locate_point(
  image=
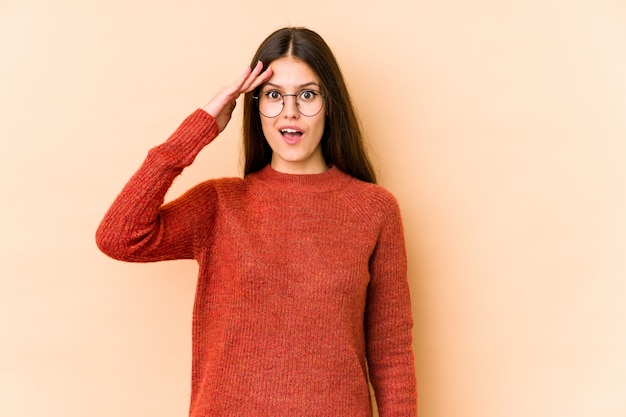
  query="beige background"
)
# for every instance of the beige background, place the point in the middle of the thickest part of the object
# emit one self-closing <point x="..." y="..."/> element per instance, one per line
<point x="499" y="125"/>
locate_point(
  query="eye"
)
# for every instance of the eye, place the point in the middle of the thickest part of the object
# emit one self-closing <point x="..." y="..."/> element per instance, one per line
<point x="273" y="95"/>
<point x="308" y="95"/>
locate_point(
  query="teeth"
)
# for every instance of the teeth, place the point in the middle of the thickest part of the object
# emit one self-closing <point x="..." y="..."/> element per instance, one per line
<point x="289" y="131"/>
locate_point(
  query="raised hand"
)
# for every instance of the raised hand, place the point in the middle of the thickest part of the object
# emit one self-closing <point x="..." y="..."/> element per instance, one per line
<point x="223" y="103"/>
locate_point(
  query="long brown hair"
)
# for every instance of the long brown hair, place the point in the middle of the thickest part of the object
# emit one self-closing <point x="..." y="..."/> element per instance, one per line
<point x="342" y="141"/>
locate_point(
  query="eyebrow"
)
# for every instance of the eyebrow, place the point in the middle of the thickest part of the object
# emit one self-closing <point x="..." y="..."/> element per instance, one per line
<point x="300" y="86"/>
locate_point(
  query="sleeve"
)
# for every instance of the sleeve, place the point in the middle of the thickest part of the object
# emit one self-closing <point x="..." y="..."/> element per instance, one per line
<point x="389" y="323"/>
<point x="138" y="227"/>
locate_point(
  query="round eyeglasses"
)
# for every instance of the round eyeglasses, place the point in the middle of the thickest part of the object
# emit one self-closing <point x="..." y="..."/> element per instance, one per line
<point x="308" y="102"/>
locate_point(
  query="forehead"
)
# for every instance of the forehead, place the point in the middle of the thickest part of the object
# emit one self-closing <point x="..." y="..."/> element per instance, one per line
<point x="290" y="72"/>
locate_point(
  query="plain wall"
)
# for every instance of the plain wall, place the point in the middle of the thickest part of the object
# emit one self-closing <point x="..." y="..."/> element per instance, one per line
<point x="499" y="126"/>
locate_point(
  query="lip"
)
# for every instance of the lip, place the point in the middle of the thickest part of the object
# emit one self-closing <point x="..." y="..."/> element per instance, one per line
<point x="291" y="140"/>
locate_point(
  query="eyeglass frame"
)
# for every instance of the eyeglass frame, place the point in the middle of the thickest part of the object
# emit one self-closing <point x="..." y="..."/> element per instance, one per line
<point x="257" y="98"/>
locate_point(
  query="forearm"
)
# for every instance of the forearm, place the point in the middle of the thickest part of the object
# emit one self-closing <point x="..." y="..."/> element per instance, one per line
<point x="390" y="355"/>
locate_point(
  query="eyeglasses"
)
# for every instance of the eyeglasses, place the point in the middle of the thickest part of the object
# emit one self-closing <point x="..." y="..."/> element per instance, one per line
<point x="308" y="102"/>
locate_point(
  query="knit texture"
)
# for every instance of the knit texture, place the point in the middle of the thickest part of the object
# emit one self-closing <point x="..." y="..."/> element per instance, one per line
<point x="302" y="285"/>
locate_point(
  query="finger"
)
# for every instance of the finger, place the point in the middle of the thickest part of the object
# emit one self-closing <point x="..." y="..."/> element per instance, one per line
<point x="252" y="76"/>
<point x="262" y="78"/>
<point x="235" y="89"/>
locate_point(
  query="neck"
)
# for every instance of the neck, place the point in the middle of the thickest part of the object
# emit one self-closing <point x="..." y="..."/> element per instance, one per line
<point x="299" y="168"/>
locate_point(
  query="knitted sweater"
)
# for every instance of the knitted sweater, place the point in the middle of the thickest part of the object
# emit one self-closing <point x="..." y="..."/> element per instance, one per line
<point x="302" y="285"/>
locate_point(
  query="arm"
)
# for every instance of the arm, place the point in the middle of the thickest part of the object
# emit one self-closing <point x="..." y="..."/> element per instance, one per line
<point x="389" y="323"/>
<point x="138" y="227"/>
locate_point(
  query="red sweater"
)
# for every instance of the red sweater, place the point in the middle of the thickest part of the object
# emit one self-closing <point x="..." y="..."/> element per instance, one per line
<point x="302" y="283"/>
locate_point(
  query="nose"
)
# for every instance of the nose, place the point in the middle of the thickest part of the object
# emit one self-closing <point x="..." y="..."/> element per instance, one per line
<point x="290" y="105"/>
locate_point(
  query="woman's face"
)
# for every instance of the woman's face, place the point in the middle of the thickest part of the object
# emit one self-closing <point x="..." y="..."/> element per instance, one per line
<point x="294" y="138"/>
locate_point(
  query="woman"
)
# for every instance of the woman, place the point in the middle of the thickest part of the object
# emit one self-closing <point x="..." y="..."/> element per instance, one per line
<point x="302" y="288"/>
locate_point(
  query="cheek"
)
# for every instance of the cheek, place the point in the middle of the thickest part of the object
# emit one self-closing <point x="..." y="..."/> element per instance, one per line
<point x="320" y="125"/>
<point x="267" y="127"/>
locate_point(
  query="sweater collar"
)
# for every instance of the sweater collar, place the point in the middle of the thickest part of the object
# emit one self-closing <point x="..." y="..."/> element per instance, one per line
<point x="331" y="179"/>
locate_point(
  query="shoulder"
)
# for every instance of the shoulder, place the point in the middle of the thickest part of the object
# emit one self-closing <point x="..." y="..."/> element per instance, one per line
<point x="371" y="200"/>
<point x="371" y="193"/>
<point x="218" y="188"/>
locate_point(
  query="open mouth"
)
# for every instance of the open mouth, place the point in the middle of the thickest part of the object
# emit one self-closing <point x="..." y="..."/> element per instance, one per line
<point x="291" y="135"/>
